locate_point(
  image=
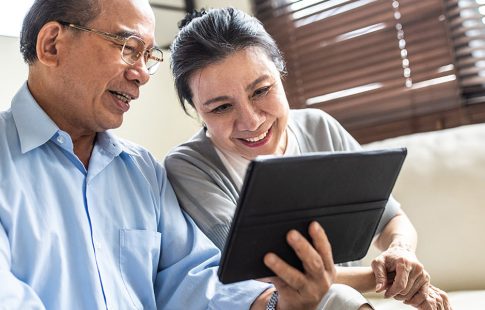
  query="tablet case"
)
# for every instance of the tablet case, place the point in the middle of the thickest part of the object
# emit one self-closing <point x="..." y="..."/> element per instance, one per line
<point x="346" y="192"/>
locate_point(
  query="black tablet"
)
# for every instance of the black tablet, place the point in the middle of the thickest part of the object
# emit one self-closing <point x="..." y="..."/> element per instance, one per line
<point x="346" y="192"/>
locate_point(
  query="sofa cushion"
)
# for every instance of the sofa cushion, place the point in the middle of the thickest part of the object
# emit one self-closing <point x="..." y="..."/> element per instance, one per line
<point x="442" y="189"/>
<point x="464" y="300"/>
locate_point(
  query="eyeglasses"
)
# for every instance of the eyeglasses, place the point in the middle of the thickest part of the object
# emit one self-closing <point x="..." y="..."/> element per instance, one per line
<point x="132" y="47"/>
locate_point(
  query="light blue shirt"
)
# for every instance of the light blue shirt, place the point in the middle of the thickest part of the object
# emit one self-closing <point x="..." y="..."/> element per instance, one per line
<point x="110" y="237"/>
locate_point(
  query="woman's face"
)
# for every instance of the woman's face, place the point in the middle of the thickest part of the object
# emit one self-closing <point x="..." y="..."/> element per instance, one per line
<point x="243" y="104"/>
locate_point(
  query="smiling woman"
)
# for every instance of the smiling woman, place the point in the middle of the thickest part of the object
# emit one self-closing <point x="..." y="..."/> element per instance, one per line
<point x="229" y="69"/>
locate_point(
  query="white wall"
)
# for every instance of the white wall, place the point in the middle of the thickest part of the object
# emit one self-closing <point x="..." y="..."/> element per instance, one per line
<point x="14" y="71"/>
<point x="155" y="121"/>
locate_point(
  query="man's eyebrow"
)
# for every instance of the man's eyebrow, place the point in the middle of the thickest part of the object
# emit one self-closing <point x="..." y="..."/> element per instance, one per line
<point x="216" y="99"/>
<point x="126" y="34"/>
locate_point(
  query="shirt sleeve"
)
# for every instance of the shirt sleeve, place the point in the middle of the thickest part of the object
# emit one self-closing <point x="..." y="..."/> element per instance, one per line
<point x="187" y="270"/>
<point x="14" y="294"/>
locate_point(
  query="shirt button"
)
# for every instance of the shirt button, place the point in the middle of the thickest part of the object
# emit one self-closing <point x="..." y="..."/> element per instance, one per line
<point x="60" y="139"/>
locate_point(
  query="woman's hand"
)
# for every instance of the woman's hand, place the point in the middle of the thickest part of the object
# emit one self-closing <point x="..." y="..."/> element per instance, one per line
<point x="431" y="298"/>
<point x="399" y="273"/>
<point x="303" y="290"/>
<point x="403" y="277"/>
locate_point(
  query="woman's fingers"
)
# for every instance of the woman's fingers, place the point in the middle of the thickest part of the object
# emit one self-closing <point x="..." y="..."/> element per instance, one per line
<point x="322" y="245"/>
<point x="430" y="297"/>
<point x="290" y="275"/>
<point x="310" y="258"/>
<point x="304" y="289"/>
<point x="414" y="285"/>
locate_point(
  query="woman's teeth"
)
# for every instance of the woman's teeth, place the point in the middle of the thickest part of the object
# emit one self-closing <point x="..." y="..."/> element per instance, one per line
<point x="258" y="138"/>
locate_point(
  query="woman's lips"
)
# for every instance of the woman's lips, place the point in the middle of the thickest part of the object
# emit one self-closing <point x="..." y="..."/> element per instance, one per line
<point x="258" y="140"/>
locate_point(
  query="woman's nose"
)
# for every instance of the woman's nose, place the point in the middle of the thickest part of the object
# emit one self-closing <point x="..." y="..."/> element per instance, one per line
<point x="249" y="118"/>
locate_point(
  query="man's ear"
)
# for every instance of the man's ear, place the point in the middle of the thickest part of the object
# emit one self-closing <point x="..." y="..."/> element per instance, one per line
<point x="48" y="43"/>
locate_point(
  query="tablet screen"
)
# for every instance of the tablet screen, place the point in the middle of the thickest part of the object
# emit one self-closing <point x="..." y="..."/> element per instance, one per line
<point x="346" y="192"/>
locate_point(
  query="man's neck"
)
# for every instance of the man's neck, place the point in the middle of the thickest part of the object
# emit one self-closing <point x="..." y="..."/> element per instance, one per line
<point x="83" y="140"/>
<point x="83" y="147"/>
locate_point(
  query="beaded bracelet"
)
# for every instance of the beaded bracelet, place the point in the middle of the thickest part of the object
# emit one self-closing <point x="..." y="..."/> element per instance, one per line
<point x="272" y="301"/>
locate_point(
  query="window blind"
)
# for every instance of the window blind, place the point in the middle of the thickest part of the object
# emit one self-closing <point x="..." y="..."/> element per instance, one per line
<point x="467" y="32"/>
<point x="382" y="68"/>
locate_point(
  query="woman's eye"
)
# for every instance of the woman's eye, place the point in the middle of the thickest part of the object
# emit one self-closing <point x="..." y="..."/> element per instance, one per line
<point x="222" y="108"/>
<point x="261" y="91"/>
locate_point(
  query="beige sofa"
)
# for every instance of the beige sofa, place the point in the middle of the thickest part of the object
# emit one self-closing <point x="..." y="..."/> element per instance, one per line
<point x="442" y="189"/>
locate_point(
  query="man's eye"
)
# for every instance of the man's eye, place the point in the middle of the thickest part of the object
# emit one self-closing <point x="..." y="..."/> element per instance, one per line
<point x="130" y="49"/>
<point x="222" y="108"/>
<point x="261" y="91"/>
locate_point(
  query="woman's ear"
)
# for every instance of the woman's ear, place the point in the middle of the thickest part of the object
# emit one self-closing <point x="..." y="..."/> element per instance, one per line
<point x="48" y="43"/>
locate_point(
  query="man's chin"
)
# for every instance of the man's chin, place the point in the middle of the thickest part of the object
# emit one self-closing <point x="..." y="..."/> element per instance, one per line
<point x="113" y="124"/>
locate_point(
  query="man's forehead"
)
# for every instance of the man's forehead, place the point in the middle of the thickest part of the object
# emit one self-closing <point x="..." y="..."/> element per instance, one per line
<point x="136" y="3"/>
<point x="130" y="16"/>
<point x="129" y="10"/>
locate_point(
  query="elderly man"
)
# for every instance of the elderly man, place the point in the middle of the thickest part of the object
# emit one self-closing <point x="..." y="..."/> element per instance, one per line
<point x="89" y="221"/>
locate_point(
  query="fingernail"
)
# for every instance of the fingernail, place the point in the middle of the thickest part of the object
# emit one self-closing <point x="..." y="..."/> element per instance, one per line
<point x="294" y="236"/>
<point x="270" y="259"/>
<point x="378" y="287"/>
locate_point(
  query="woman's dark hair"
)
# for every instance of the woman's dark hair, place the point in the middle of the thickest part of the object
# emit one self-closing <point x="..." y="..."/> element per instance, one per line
<point x="207" y="37"/>
<point x="43" y="11"/>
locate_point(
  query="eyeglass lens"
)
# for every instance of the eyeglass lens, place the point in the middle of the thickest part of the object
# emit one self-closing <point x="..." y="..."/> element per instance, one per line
<point x="134" y="48"/>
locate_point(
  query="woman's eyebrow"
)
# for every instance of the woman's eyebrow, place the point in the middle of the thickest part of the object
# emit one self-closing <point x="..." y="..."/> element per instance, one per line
<point x="216" y="99"/>
<point x="251" y="86"/>
<point x="257" y="81"/>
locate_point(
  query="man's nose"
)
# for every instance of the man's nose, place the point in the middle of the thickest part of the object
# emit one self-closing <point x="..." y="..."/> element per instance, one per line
<point x="138" y="72"/>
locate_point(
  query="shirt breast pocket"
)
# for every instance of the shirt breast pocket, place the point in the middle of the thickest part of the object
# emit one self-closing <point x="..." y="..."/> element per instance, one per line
<point x="139" y="256"/>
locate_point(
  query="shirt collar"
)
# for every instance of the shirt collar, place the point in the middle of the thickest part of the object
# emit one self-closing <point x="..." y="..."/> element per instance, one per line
<point x="112" y="144"/>
<point x="35" y="127"/>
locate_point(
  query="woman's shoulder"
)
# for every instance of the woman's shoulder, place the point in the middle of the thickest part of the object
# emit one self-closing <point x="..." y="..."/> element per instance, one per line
<point x="310" y="119"/>
<point x="308" y="112"/>
<point x="316" y="130"/>
<point x="198" y="152"/>
<point x="196" y="146"/>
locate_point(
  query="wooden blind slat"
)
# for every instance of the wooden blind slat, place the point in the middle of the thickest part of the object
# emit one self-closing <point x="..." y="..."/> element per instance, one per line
<point x="418" y="58"/>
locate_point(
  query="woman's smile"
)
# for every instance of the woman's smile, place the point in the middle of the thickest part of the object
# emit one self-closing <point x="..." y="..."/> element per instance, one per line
<point x="257" y="141"/>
